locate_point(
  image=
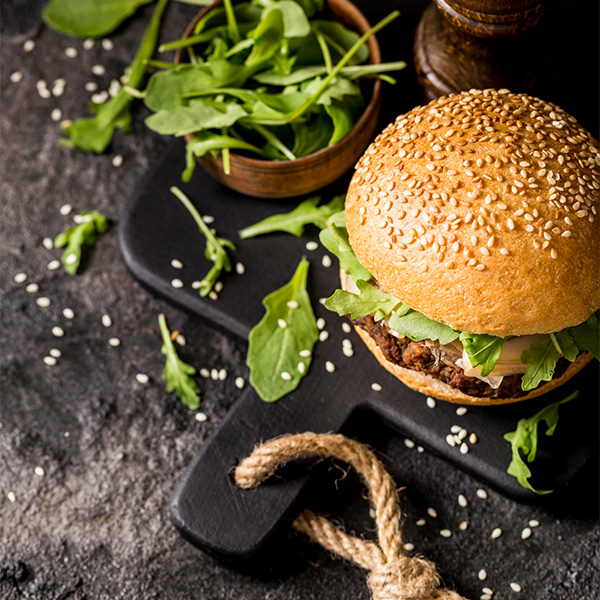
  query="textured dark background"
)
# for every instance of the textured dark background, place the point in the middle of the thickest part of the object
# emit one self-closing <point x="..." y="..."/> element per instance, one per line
<point x="96" y="524"/>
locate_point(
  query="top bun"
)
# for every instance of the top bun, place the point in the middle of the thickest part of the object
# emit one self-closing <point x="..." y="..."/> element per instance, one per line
<point x="480" y="210"/>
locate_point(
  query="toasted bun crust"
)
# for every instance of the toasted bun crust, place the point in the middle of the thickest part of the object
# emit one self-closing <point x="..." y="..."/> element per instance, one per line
<point x="480" y="211"/>
<point x="421" y="382"/>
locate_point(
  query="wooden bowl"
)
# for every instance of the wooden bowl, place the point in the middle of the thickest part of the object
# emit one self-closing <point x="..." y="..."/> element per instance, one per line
<point x="289" y="178"/>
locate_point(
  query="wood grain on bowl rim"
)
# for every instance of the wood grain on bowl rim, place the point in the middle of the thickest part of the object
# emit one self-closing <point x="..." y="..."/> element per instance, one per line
<point x="289" y="178"/>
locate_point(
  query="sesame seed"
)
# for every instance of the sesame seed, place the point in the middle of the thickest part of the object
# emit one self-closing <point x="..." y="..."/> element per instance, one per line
<point x="180" y="339"/>
<point x="114" y="342"/>
<point x="326" y="261"/>
<point x="420" y="449"/>
<point x="98" y="70"/>
<point x="49" y="360"/>
<point x="106" y="320"/>
<point x="204" y="373"/>
<point x="292" y="304"/>
<point x="65" y="209"/>
<point x="177" y="283"/>
<point x="496" y="533"/>
<point x="29" y="45"/>
<point x="526" y="533"/>
<point x="91" y="86"/>
<point x="142" y="378"/>
<point x="430" y="402"/>
<point x="515" y="587"/>
<point x="346" y="327"/>
<point x="222" y="376"/>
<point x="420" y="522"/>
<point x="107" y="44"/>
<point x="481" y="493"/>
<point x="201" y="417"/>
<point x="323" y="336"/>
<point x="16" y="76"/>
<point x="43" y="301"/>
<point x="329" y="366"/>
<point x="282" y="323"/>
<point x="462" y="501"/>
<point x="301" y="368"/>
<point x="305" y="353"/>
<point x="473" y="439"/>
<point x="450" y="441"/>
<point x="196" y="285"/>
<point x="240" y="382"/>
<point x="48" y="243"/>
<point x="321" y="323"/>
<point x="482" y="575"/>
<point x="117" y="160"/>
<point x="510" y="223"/>
<point x="68" y="313"/>
<point x="446" y="533"/>
<point x="432" y="512"/>
<point x="376" y="387"/>
<point x="455" y="428"/>
<point x="39" y="471"/>
<point x="553" y="253"/>
<point x="71" y="52"/>
<point x="214" y="374"/>
<point x="58" y="331"/>
<point x="534" y="523"/>
<point x="55" y="353"/>
<point x="310" y="246"/>
<point x="464" y="449"/>
<point x="461" y="410"/>
<point x="409" y="443"/>
<point x="88" y="43"/>
<point x="20" y="277"/>
<point x="239" y="268"/>
<point x="463" y="525"/>
<point x="409" y="547"/>
<point x="462" y="434"/>
<point x="219" y="287"/>
<point x="286" y="376"/>
<point x="12" y="497"/>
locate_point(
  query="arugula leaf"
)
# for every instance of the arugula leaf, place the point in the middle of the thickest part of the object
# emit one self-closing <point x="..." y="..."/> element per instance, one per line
<point x="75" y="237"/>
<point x="305" y="213"/>
<point x="215" y="246"/>
<point x="89" y="18"/>
<point x="541" y="358"/>
<point x="341" y="39"/>
<point x="177" y="374"/>
<point x="343" y="120"/>
<point x="295" y="22"/>
<point x="525" y="439"/>
<point x="338" y="89"/>
<point x="335" y="238"/>
<point x="564" y="344"/>
<point x="275" y="343"/>
<point x="313" y="133"/>
<point x="94" y="134"/>
<point x="311" y="7"/>
<point x="370" y="301"/>
<point x="587" y="335"/>
<point x="267" y="38"/>
<point x="482" y="350"/>
<point x="417" y="327"/>
<point x="200" y="114"/>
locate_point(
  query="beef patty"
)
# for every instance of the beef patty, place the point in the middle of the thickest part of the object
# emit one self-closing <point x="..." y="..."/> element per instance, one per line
<point x="418" y="356"/>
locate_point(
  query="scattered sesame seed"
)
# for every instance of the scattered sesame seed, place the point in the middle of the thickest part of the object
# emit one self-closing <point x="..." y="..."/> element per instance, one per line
<point x="68" y="313"/>
<point x="515" y="587"/>
<point x="106" y="320"/>
<point x="462" y="501"/>
<point x="473" y="439"/>
<point x="201" y="417"/>
<point x="240" y="382"/>
<point x="346" y="327"/>
<point x="39" y="471"/>
<point x="142" y="378"/>
<point x="180" y="339"/>
<point x="482" y="575"/>
<point x="464" y="449"/>
<point x="463" y="525"/>
<point x="219" y="287"/>
<point x="282" y="323"/>
<point x="12" y="497"/>
<point x="485" y="597"/>
<point x="48" y="243"/>
<point x="55" y="353"/>
<point x="322" y="300"/>
<point x="496" y="533"/>
<point x="88" y="43"/>
<point x="310" y="246"/>
<point x="446" y="533"/>
<point x="462" y="434"/>
<point x="58" y="89"/>
<point x="323" y="336"/>
<point x="43" y="301"/>
<point x="213" y="295"/>
<point x="420" y="449"/>
<point x="20" y="277"/>
<point x="49" y="360"/>
<point x="71" y="52"/>
<point x="305" y="353"/>
<point x="321" y="323"/>
<point x="98" y="70"/>
<point x="100" y="97"/>
<point x="114" y="342"/>
<point x="65" y="209"/>
<point x="534" y="523"/>
<point x="326" y="261"/>
<point x="376" y="387"/>
<point x="461" y="410"/>
<point x="420" y="522"/>
<point x="455" y="428"/>
<point x="432" y="513"/>
<point x="329" y="366"/>
<point x="56" y="114"/>
<point x="66" y="434"/>
<point x="301" y="368"/>
<point x="239" y="268"/>
<point x="81" y="219"/>
<point x="29" y="45"/>
<point x="292" y="304"/>
<point x="430" y="402"/>
<point x="481" y="493"/>
<point x="91" y="86"/>
<point x="196" y="285"/>
<point x="177" y="283"/>
<point x="117" y="160"/>
<point x="222" y="374"/>
<point x="208" y="219"/>
<point x="107" y="44"/>
<point x="204" y="373"/>
<point x="450" y="440"/>
<point x="409" y="443"/>
<point x="526" y="533"/>
<point x="71" y="259"/>
<point x="58" y="331"/>
<point x="409" y="547"/>
<point x="214" y="374"/>
<point x="286" y="376"/>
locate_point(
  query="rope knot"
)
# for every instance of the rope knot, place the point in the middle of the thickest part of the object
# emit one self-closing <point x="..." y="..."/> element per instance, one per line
<point x="403" y="579"/>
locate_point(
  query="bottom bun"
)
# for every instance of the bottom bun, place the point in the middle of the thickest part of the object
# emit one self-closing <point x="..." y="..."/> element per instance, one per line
<point x="430" y="386"/>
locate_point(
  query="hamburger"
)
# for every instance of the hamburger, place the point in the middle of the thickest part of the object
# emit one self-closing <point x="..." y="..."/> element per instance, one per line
<point x="469" y="247"/>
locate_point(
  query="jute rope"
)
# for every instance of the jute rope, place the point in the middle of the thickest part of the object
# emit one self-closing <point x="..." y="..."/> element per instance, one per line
<point x="392" y="574"/>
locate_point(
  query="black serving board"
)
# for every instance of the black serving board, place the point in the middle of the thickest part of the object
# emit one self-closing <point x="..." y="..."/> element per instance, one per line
<point x="207" y="508"/>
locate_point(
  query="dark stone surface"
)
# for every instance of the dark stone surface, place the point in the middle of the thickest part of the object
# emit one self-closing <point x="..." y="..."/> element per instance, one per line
<point x="96" y="524"/>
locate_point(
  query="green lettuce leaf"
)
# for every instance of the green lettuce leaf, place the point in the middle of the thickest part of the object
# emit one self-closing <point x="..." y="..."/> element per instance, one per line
<point x="541" y="358"/>
<point x="587" y="335"/>
<point x="525" y="439"/>
<point x="370" y="301"/>
<point x="275" y="343"/>
<point x="482" y="350"/>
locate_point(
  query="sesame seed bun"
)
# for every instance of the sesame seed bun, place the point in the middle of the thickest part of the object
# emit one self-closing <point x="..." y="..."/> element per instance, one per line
<point x="480" y="210"/>
<point x="424" y="383"/>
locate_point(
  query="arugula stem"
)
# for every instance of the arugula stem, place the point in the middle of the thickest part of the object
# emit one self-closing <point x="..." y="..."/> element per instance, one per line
<point x="133" y="92"/>
<point x="325" y="51"/>
<point x="556" y="344"/>
<point x="275" y="141"/>
<point x="190" y="41"/>
<point x="160" y="64"/>
<point x="225" y="155"/>
<point x="166" y="338"/>
<point x="291" y="116"/>
<point x="232" y="26"/>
